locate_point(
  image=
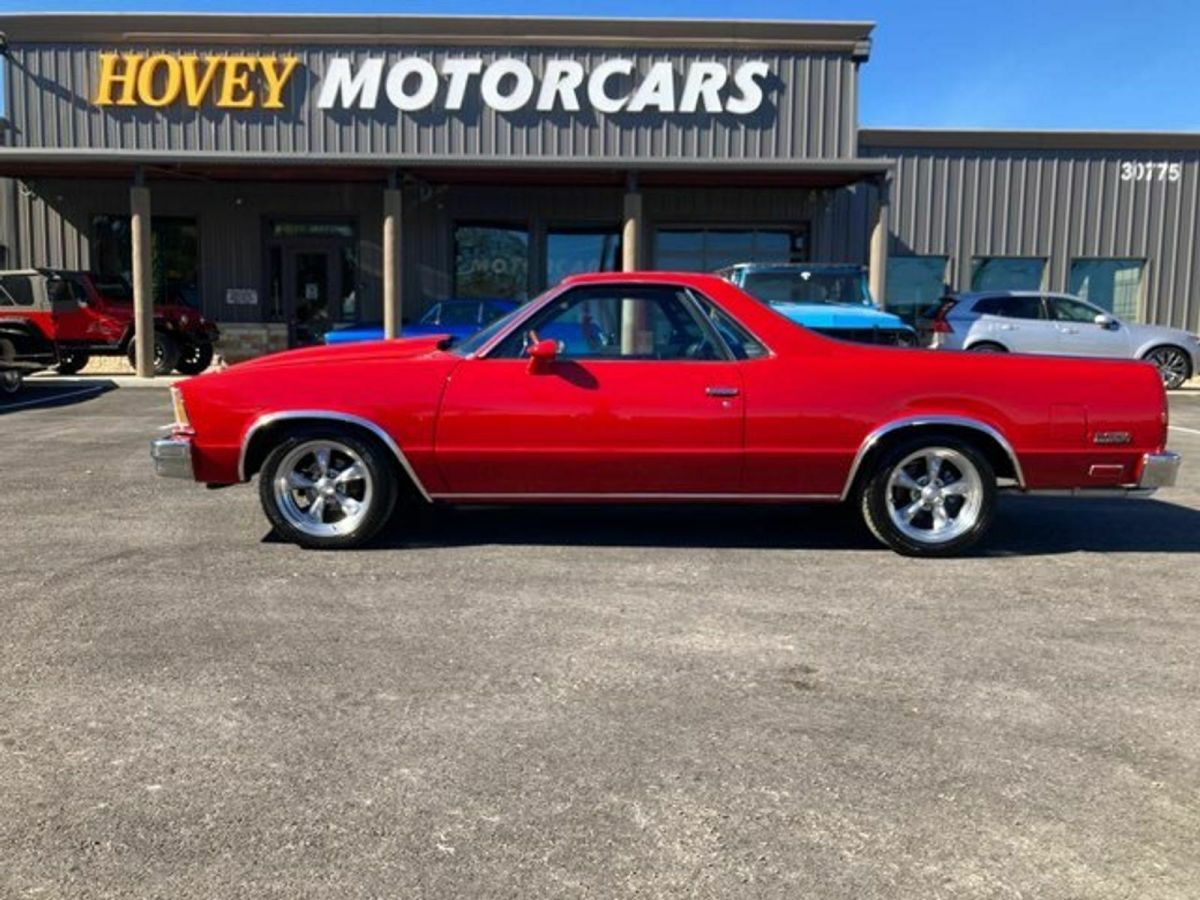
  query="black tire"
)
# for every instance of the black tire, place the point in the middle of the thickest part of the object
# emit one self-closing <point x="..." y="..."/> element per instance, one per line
<point x="11" y="381"/>
<point x="1174" y="364"/>
<point x="379" y="491"/>
<point x="879" y="496"/>
<point x="166" y="353"/>
<point x="988" y="347"/>
<point x="71" y="361"/>
<point x="194" y="357"/>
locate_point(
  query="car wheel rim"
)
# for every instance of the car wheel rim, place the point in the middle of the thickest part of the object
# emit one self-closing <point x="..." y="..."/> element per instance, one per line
<point x="1172" y="366"/>
<point x="10" y="381"/>
<point x="934" y="495"/>
<point x="323" y="488"/>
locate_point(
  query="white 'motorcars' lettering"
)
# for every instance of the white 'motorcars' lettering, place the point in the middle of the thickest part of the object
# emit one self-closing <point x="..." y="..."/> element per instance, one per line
<point x="413" y="83"/>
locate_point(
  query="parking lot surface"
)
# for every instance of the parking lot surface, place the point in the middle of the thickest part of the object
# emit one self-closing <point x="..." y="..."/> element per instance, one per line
<point x="566" y="702"/>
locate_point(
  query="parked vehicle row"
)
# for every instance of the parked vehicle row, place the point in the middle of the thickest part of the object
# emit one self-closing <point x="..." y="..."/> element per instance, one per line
<point x="664" y="387"/>
<point x="1059" y="324"/>
<point x="71" y="316"/>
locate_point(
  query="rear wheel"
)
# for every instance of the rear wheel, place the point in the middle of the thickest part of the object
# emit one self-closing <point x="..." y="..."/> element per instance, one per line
<point x="71" y="361"/>
<point x="933" y="495"/>
<point x="987" y="347"/>
<point x="194" y="357"/>
<point x="327" y="488"/>
<point x="1173" y="364"/>
<point x="166" y="353"/>
<point x="10" y="381"/>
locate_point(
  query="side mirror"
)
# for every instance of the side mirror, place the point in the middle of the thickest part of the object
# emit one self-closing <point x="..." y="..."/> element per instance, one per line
<point x="1104" y="320"/>
<point x="541" y="353"/>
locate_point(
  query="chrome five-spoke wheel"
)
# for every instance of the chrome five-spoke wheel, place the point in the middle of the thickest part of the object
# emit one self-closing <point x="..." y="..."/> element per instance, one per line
<point x="934" y="495"/>
<point x="930" y="496"/>
<point x="1173" y="365"/>
<point x="323" y="488"/>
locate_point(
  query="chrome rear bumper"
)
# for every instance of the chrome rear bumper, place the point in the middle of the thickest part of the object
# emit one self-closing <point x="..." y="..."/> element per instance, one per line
<point x="172" y="456"/>
<point x="1159" y="469"/>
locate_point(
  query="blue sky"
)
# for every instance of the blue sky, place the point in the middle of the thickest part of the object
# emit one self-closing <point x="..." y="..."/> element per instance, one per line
<point x="1108" y="64"/>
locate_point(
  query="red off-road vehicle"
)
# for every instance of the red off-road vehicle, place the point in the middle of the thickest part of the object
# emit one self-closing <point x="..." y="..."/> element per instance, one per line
<point x="78" y="315"/>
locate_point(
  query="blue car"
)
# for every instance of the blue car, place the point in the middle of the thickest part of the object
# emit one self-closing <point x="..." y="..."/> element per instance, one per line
<point x="831" y="298"/>
<point x="458" y="318"/>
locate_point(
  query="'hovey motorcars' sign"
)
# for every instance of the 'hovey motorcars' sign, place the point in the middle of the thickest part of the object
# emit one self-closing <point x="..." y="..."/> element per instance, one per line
<point x="414" y="83"/>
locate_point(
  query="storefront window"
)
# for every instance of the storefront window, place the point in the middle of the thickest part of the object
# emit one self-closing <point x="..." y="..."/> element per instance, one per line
<point x="491" y="261"/>
<point x="709" y="249"/>
<point x="914" y="283"/>
<point x="174" y="254"/>
<point x="1007" y="273"/>
<point x="572" y="251"/>
<point x="1112" y="284"/>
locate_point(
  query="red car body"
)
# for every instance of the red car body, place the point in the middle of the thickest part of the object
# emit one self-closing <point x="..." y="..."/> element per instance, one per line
<point x="796" y="424"/>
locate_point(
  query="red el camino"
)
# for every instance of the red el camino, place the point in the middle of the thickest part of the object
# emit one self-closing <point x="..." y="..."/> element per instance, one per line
<point x="665" y="387"/>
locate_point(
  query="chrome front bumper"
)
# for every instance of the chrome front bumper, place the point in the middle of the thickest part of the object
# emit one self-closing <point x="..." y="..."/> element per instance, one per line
<point x="1159" y="470"/>
<point x="172" y="456"/>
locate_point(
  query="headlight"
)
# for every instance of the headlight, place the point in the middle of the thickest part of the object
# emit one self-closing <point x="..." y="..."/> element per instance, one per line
<point x="181" y="416"/>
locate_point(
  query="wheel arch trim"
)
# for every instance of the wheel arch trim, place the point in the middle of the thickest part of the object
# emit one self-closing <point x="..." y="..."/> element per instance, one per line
<point x="327" y="415"/>
<point x="872" y="440"/>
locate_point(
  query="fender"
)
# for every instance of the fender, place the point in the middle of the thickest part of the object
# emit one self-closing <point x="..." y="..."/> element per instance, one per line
<point x="329" y="416"/>
<point x="917" y="421"/>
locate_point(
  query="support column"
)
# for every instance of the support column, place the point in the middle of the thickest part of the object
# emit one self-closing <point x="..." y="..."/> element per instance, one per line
<point x="143" y="276"/>
<point x="392" y="215"/>
<point x="880" y="233"/>
<point x="632" y="257"/>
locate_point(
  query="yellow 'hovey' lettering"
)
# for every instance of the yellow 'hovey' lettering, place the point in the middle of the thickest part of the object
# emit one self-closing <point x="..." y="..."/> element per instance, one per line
<point x="160" y="79"/>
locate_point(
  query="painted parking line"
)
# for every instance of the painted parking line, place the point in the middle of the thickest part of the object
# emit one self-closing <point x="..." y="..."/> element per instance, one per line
<point x="52" y="399"/>
<point x="1184" y="430"/>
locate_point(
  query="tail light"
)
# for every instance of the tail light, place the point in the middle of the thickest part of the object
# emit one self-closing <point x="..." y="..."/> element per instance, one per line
<point x="940" y="323"/>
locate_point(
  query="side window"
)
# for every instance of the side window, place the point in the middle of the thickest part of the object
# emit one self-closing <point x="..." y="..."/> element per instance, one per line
<point x="18" y="288"/>
<point x="1072" y="310"/>
<point x="634" y="322"/>
<point x="741" y="343"/>
<point x="1012" y="307"/>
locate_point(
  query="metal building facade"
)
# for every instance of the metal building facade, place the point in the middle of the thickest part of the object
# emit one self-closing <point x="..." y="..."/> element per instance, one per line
<point x="1061" y="196"/>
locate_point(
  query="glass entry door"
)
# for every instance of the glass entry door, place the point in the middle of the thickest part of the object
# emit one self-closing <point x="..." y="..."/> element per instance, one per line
<point x="311" y="281"/>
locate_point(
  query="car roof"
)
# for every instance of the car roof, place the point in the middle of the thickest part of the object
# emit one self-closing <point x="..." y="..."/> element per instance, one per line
<point x="695" y="279"/>
<point x="796" y="266"/>
<point x="968" y="296"/>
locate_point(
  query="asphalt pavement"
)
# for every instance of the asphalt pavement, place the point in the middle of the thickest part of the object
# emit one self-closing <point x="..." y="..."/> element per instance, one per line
<point x="578" y="703"/>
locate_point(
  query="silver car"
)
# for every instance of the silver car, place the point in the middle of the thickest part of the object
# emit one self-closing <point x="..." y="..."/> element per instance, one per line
<point x="1036" y="322"/>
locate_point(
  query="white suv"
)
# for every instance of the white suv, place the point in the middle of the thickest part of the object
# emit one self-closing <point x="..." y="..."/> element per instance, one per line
<point x="1036" y="322"/>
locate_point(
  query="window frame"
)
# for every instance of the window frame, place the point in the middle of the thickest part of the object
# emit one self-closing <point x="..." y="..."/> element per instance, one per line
<point x="1042" y="282"/>
<point x="1139" y="316"/>
<point x="682" y="292"/>
<point x="802" y="226"/>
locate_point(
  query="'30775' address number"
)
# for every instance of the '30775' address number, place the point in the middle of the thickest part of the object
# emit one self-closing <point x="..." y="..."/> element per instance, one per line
<point x="1151" y="171"/>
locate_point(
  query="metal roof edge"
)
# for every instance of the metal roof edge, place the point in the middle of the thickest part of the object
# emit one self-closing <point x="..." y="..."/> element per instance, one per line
<point x="1025" y="139"/>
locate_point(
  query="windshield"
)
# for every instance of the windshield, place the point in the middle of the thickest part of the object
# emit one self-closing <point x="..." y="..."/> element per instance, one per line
<point x="808" y="286"/>
<point x="469" y="345"/>
<point x="112" y="287"/>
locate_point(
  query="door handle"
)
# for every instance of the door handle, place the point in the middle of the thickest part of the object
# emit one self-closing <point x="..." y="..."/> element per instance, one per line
<point x="719" y="391"/>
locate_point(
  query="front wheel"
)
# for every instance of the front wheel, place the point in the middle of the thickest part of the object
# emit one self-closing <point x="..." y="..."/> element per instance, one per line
<point x="327" y="489"/>
<point x="930" y="496"/>
<point x="10" y="381"/>
<point x="166" y="353"/>
<point x="71" y="361"/>
<point x="194" y="358"/>
<point x="1173" y="364"/>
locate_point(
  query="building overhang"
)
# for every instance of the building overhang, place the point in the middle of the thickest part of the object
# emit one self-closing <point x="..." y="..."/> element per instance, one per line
<point x="853" y="38"/>
<point x="568" y="170"/>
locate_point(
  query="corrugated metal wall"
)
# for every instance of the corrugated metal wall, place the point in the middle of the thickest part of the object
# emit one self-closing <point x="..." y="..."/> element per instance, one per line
<point x="1060" y="204"/>
<point x="809" y="112"/>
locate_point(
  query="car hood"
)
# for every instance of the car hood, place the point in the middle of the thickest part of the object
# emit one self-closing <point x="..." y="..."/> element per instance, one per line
<point x="361" y="351"/>
<point x="837" y="315"/>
